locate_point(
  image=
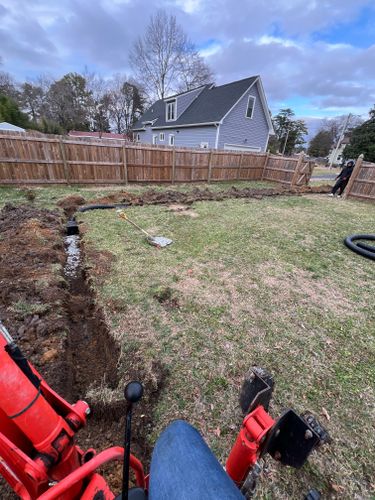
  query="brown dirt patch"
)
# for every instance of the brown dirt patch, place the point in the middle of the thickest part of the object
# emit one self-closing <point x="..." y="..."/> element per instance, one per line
<point x="152" y="197"/>
<point x="71" y="203"/>
<point x="183" y="210"/>
<point x="32" y="290"/>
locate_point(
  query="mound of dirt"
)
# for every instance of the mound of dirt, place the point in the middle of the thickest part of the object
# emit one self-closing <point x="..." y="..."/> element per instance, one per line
<point x="71" y="203"/>
<point x="32" y="291"/>
<point x="170" y="197"/>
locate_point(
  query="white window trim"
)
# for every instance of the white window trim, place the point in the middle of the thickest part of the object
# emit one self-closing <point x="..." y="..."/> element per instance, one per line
<point x="172" y="101"/>
<point x="161" y="137"/>
<point x="169" y="139"/>
<point x="247" y="107"/>
<point x="154" y="139"/>
<point x="204" y="145"/>
<point x="138" y="137"/>
<point x="241" y="147"/>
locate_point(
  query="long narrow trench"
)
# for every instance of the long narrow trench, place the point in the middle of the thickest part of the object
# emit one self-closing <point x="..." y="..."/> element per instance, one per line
<point x="91" y="351"/>
<point x="92" y="356"/>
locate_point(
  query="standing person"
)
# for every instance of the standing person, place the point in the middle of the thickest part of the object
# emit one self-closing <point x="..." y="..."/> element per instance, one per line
<point x="342" y="179"/>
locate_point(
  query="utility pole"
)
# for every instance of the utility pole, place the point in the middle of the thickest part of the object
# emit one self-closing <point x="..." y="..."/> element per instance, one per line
<point x="286" y="140"/>
<point x="333" y="157"/>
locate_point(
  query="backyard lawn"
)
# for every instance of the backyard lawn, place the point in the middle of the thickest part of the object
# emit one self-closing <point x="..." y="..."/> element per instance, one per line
<point x="256" y="282"/>
<point x="246" y="282"/>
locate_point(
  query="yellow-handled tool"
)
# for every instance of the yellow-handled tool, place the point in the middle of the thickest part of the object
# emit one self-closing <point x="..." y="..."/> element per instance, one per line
<point x="156" y="241"/>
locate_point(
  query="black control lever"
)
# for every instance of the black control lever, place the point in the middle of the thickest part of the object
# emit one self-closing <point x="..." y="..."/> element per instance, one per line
<point x="133" y="393"/>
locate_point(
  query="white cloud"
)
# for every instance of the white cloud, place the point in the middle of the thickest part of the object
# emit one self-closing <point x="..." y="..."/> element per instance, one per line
<point x="269" y="40"/>
<point x="275" y="38"/>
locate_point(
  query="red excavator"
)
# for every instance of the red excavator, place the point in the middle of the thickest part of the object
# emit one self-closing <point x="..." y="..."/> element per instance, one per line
<point x="40" y="459"/>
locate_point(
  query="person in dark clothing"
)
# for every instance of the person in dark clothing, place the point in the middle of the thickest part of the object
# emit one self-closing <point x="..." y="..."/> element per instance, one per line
<point x="342" y="179"/>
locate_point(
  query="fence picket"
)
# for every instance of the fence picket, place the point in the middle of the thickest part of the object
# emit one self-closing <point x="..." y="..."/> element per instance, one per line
<point x="36" y="159"/>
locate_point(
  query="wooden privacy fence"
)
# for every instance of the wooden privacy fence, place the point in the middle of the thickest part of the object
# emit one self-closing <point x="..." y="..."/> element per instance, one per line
<point x="26" y="159"/>
<point x="361" y="184"/>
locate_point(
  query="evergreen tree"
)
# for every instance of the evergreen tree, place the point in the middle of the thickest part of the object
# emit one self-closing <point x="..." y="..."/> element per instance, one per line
<point x="363" y="140"/>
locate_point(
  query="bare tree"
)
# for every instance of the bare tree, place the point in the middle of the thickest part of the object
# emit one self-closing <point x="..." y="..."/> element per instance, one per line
<point x="193" y="71"/>
<point x="125" y="102"/>
<point x="8" y="86"/>
<point x="165" y="60"/>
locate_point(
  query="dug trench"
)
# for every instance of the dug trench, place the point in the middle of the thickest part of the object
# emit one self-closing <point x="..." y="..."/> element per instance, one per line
<point x="50" y="309"/>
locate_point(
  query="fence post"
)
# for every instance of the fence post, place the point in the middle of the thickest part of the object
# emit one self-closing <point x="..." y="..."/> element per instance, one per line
<point x="355" y="172"/>
<point x="173" y="166"/>
<point x="296" y="171"/>
<point x="63" y="156"/>
<point x="209" y="167"/>
<point x="239" y="168"/>
<point x="265" y="165"/>
<point x="125" y="164"/>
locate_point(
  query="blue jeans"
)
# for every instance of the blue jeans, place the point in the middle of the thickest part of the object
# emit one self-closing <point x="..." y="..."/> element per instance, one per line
<point x="184" y="468"/>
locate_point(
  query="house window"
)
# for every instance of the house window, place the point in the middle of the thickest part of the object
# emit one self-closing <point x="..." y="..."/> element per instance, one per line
<point x="138" y="137"/>
<point x="171" y="139"/>
<point x="171" y="111"/>
<point x="161" y="136"/>
<point x="204" y="145"/>
<point x="154" y="139"/>
<point x="250" y="107"/>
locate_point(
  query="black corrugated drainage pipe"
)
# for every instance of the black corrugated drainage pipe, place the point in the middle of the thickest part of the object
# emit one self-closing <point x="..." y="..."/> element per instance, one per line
<point x="359" y="247"/>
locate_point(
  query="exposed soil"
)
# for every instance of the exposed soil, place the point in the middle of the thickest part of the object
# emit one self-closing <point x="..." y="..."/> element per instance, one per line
<point x="32" y="292"/>
<point x="56" y="322"/>
<point x="153" y="197"/>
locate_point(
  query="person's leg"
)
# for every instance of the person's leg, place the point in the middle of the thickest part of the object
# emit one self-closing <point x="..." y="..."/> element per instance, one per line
<point x="336" y="186"/>
<point x="343" y="186"/>
<point x="184" y="468"/>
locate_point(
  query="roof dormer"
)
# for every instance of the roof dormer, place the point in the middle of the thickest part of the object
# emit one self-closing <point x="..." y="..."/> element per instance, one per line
<point x="171" y="110"/>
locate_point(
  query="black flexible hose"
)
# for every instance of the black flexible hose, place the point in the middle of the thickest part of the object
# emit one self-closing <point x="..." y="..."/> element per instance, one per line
<point x="86" y="208"/>
<point x="361" y="248"/>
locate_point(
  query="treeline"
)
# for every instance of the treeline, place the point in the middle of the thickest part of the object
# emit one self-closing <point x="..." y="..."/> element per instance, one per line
<point x="163" y="61"/>
<point x="74" y="102"/>
<point x="361" y="134"/>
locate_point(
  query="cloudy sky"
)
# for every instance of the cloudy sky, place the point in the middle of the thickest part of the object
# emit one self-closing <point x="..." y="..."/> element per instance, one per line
<point x="316" y="56"/>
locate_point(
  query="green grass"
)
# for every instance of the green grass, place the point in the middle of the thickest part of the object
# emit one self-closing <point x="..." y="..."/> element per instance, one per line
<point x="258" y="282"/>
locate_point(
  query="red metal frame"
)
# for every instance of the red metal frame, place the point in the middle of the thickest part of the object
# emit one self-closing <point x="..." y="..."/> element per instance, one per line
<point x="37" y="448"/>
<point x="247" y="448"/>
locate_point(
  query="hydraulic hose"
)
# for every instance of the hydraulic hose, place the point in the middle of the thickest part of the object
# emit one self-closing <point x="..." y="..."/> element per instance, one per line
<point x="361" y="248"/>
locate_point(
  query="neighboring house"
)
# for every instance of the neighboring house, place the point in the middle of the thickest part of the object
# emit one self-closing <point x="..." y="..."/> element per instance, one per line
<point x="12" y="128"/>
<point x="99" y="135"/>
<point x="335" y="156"/>
<point x="232" y="116"/>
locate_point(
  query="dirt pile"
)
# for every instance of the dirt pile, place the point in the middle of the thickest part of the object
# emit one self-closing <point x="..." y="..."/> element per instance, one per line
<point x="71" y="204"/>
<point x="153" y="197"/>
<point x="32" y="291"/>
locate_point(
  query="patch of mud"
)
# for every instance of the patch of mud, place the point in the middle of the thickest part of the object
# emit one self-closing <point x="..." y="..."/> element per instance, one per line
<point x="172" y="197"/>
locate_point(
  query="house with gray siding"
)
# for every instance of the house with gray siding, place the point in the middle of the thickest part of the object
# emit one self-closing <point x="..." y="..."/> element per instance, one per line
<point x="233" y="116"/>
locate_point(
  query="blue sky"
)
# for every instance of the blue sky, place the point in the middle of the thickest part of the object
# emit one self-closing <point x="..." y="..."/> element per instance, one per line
<point x="315" y="56"/>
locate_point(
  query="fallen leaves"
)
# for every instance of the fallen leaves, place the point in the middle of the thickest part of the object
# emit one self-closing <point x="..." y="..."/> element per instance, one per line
<point x="325" y="413"/>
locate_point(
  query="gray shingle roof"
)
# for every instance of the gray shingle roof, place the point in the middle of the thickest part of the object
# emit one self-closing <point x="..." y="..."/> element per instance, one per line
<point x="210" y="105"/>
